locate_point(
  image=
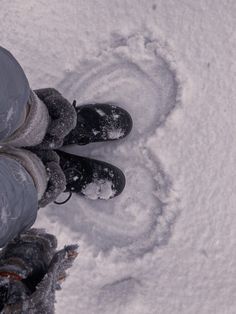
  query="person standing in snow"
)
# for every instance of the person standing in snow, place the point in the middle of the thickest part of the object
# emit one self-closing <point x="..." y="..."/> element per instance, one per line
<point x="33" y="125"/>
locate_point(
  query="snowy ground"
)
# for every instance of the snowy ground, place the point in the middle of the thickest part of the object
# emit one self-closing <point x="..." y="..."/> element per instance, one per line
<point x="167" y="244"/>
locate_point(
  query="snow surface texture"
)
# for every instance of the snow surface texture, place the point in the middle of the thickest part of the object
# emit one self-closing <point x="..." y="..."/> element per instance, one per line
<point x="102" y="188"/>
<point x="195" y="271"/>
<point x="130" y="74"/>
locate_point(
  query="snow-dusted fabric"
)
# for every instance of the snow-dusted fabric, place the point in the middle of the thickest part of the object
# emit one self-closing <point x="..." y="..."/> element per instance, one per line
<point x="33" y="130"/>
<point x="34" y="258"/>
<point x="56" y="177"/>
<point x="63" y="118"/>
<point x="14" y="91"/>
<point x="32" y="164"/>
<point x="18" y="199"/>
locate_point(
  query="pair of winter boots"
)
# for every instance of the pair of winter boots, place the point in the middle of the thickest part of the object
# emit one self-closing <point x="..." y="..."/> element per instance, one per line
<point x="93" y="178"/>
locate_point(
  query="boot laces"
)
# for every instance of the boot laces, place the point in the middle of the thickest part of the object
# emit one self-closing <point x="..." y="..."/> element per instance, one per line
<point x="65" y="201"/>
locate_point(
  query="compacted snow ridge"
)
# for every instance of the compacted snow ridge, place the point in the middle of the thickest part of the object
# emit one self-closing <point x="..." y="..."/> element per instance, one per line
<point x="134" y="76"/>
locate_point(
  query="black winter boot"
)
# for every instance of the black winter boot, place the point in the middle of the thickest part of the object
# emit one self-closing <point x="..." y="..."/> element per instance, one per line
<point x="99" y="123"/>
<point x="91" y="178"/>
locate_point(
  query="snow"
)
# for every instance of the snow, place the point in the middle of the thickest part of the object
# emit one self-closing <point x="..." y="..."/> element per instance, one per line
<point x="4" y="210"/>
<point x="167" y="243"/>
<point x="99" y="189"/>
<point x="9" y="114"/>
<point x="115" y="134"/>
<point x="100" y="112"/>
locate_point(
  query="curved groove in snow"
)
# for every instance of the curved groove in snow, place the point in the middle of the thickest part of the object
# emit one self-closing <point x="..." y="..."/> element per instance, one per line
<point x="137" y="78"/>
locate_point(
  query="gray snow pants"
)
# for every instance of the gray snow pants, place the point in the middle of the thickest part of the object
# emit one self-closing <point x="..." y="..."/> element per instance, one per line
<point x="24" y="178"/>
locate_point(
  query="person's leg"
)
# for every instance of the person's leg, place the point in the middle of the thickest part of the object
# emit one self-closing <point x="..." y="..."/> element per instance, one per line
<point x="33" y="130"/>
<point x="84" y="124"/>
<point x="18" y="199"/>
<point x="42" y="119"/>
<point x="49" y="119"/>
<point x="56" y="180"/>
<point x="22" y="116"/>
<point x="25" y="119"/>
<point x="32" y="164"/>
<point x="43" y="166"/>
<point x="14" y="94"/>
<point x="27" y="181"/>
